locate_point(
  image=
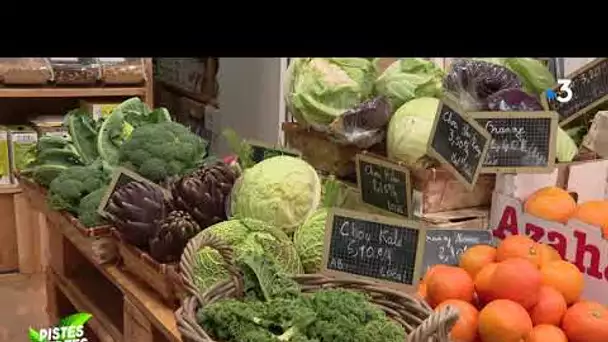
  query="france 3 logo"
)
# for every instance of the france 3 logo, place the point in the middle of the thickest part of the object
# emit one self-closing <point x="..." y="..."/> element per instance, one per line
<point x="563" y="94"/>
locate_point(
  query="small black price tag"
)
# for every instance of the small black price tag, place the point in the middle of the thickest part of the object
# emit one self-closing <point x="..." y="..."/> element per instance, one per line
<point x="444" y="246"/>
<point x="384" y="184"/>
<point x="458" y="142"/>
<point x="261" y="151"/>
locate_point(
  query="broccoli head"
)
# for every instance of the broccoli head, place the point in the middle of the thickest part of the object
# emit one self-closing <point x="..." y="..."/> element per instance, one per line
<point x="87" y="209"/>
<point x="76" y="182"/>
<point x="162" y="150"/>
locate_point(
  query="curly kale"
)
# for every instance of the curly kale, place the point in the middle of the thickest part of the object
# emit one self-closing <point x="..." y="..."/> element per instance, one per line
<point x="87" y="209"/>
<point x="76" y="182"/>
<point x="159" y="151"/>
<point x="281" y="312"/>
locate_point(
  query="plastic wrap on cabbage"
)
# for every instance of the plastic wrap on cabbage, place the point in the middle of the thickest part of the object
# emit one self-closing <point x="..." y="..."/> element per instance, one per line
<point x="516" y="100"/>
<point x="472" y="81"/>
<point x="363" y="125"/>
<point x="321" y="89"/>
<point x="282" y="191"/>
<point x="246" y="237"/>
<point x="409" y="78"/>
<point x="533" y="74"/>
<point x="409" y="131"/>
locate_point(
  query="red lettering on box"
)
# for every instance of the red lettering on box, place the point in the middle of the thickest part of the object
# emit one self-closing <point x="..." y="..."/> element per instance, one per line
<point x="560" y="245"/>
<point x="583" y="248"/>
<point x="508" y="222"/>
<point x="535" y="232"/>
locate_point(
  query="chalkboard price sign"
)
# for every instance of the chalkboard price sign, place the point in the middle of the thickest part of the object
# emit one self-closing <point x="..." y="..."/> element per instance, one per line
<point x="262" y="151"/>
<point x="383" y="184"/>
<point x="458" y="143"/>
<point x="378" y="248"/>
<point x="521" y="141"/>
<point x="589" y="86"/>
<point x="444" y="246"/>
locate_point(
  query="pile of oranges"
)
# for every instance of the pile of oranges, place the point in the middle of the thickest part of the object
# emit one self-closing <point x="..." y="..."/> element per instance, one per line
<point x="521" y="291"/>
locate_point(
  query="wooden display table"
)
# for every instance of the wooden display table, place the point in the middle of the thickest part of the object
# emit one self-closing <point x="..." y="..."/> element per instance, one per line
<point x="123" y="308"/>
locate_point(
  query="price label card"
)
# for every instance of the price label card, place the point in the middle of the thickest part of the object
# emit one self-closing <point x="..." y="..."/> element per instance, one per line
<point x="444" y="246"/>
<point x="581" y="92"/>
<point x="384" y="185"/>
<point x="377" y="248"/>
<point x="458" y="142"/>
<point x="261" y="151"/>
<point x="521" y="141"/>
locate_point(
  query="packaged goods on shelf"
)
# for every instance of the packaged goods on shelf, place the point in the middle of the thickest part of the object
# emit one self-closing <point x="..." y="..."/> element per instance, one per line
<point x="120" y="70"/>
<point x="75" y="71"/>
<point x="23" y="141"/>
<point x="5" y="165"/>
<point x="25" y="71"/>
<point x="49" y="125"/>
<point x="99" y="110"/>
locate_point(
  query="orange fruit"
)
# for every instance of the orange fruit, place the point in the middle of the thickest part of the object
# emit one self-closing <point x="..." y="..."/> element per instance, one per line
<point x="547" y="254"/>
<point x="421" y="290"/>
<point x="504" y="321"/>
<point x="546" y="333"/>
<point x="565" y="278"/>
<point x="449" y="283"/>
<point x="483" y="284"/>
<point x="594" y="213"/>
<point x="586" y="322"/>
<point x="432" y="270"/>
<point x="518" y="246"/>
<point x="476" y="257"/>
<point x="518" y="280"/>
<point x="551" y="203"/>
<point x="465" y="329"/>
<point x="550" y="308"/>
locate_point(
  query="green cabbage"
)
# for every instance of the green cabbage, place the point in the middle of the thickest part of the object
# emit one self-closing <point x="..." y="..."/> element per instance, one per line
<point x="409" y="78"/>
<point x="409" y="130"/>
<point x="308" y="240"/>
<point x="318" y="90"/>
<point x="566" y="147"/>
<point x="282" y="191"/>
<point x="533" y="74"/>
<point x="247" y="237"/>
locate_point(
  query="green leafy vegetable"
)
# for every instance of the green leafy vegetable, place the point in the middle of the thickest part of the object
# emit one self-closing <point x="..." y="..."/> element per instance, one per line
<point x="162" y="150"/>
<point x="410" y="78"/>
<point x="246" y="236"/>
<point x="282" y="191"/>
<point x="410" y="129"/>
<point x="318" y="90"/>
<point x="87" y="209"/>
<point x="83" y="134"/>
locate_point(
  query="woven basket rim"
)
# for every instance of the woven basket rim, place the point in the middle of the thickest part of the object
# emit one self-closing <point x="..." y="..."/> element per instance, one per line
<point x="411" y="312"/>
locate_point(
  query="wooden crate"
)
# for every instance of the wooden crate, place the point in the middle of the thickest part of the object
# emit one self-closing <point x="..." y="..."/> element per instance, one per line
<point x="437" y="190"/>
<point x="323" y="153"/>
<point x="472" y="218"/>
<point x="164" y="279"/>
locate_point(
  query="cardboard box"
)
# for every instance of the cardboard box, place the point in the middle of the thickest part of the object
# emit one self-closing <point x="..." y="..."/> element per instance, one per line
<point x="98" y="109"/>
<point x="589" y="179"/>
<point x="22" y="149"/>
<point x="5" y="164"/>
<point x="577" y="242"/>
<point x="49" y="125"/>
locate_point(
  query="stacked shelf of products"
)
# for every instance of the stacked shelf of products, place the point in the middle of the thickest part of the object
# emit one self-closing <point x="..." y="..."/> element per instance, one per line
<point x="379" y="211"/>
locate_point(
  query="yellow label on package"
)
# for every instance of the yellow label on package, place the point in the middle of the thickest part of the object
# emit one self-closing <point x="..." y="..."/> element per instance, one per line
<point x="99" y="110"/>
<point x="4" y="160"/>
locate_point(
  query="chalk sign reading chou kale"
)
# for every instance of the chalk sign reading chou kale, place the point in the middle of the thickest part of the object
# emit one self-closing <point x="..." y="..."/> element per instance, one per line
<point x="383" y="184"/>
<point x="521" y="141"/>
<point x="373" y="247"/>
<point x="458" y="142"/>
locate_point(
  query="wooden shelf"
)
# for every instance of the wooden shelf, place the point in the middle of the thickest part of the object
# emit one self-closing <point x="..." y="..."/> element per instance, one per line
<point x="71" y="92"/>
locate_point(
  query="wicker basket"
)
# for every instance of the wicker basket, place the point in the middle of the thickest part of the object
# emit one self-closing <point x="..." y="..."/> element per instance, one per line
<point x="413" y="314"/>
